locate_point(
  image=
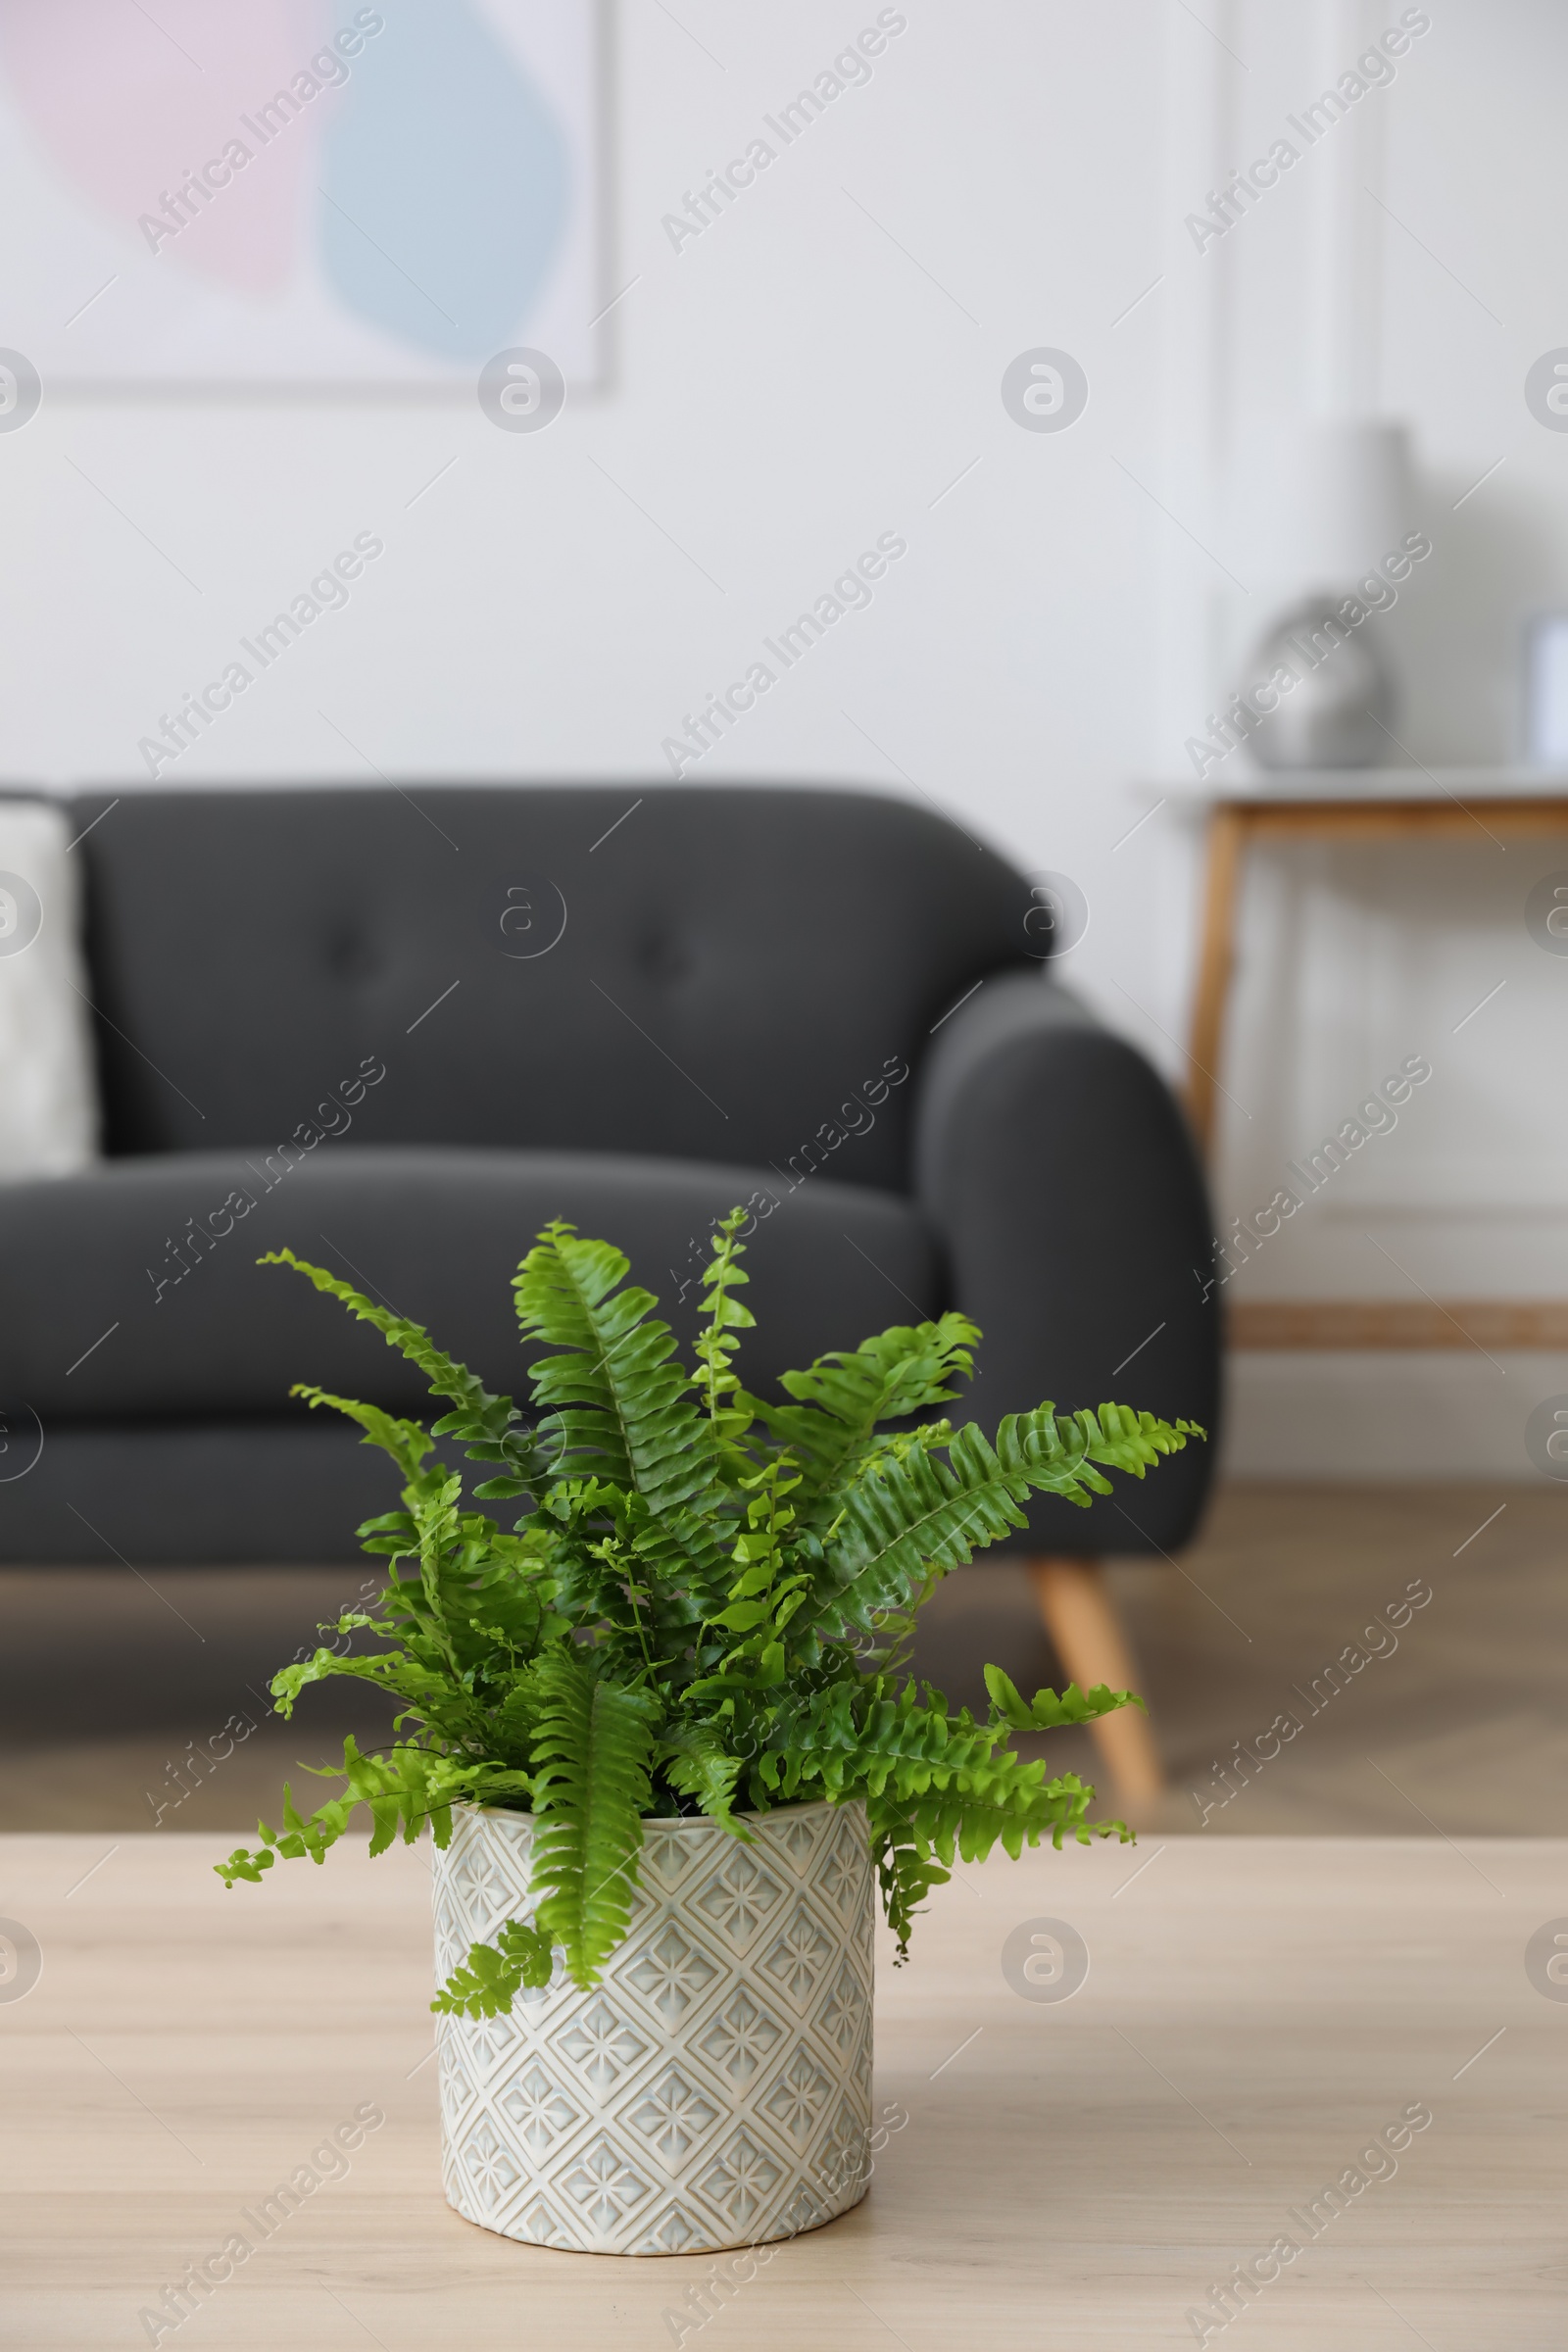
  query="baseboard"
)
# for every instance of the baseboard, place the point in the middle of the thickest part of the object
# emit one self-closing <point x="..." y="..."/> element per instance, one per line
<point x="1384" y="1417"/>
<point x="1345" y="1323"/>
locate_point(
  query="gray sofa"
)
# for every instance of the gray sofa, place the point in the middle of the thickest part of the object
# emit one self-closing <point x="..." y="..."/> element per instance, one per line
<point x="400" y="1030"/>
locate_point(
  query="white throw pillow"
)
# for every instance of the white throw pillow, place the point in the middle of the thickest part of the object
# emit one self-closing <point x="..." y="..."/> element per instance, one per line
<point x="48" y="1082"/>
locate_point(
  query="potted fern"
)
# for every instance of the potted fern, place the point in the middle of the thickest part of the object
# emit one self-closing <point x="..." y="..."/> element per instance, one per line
<point x="660" y="1733"/>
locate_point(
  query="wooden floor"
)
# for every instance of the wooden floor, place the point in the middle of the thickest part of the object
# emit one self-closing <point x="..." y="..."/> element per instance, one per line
<point x="1459" y="1725"/>
<point x="1077" y="2176"/>
<point x="121" y="1694"/>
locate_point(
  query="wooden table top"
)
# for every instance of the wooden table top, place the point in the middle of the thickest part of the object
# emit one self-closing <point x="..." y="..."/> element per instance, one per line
<point x="1073" y="2174"/>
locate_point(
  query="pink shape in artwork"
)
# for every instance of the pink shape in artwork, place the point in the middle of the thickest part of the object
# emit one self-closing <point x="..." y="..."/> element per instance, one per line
<point x="127" y="106"/>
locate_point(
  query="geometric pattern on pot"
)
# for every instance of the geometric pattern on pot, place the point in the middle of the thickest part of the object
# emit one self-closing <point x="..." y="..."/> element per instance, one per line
<point x="713" y="2090"/>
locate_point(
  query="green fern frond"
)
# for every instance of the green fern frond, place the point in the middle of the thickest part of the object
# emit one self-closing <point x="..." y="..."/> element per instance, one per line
<point x="723" y="1319"/>
<point x="696" y="1761"/>
<point x="868" y="1737"/>
<point x="401" y="1789"/>
<point x="949" y="1822"/>
<point x="623" y="1406"/>
<point x="405" y="1440"/>
<point x="764" y="1599"/>
<point x="617" y="1395"/>
<point x="392" y="1671"/>
<point x="1046" y="1711"/>
<point x="906" y="1877"/>
<point x="1121" y="1437"/>
<point x="496" y="1973"/>
<point x="435" y="1515"/>
<point x="845" y="1396"/>
<point x="590" y="1791"/>
<point x="482" y="1422"/>
<point x="908" y="1520"/>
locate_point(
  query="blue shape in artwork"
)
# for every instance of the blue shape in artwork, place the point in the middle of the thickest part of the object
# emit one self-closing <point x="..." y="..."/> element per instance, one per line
<point x="447" y="179"/>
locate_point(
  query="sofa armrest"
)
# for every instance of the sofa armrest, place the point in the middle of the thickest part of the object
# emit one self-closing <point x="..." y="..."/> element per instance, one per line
<point x="1060" y="1178"/>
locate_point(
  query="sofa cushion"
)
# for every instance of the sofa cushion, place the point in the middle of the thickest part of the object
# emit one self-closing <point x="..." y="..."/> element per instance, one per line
<point x="134" y="1291"/>
<point x="201" y="1494"/>
<point x="739" y="974"/>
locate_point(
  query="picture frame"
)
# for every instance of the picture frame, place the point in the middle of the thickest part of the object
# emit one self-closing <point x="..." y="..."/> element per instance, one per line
<point x="321" y="197"/>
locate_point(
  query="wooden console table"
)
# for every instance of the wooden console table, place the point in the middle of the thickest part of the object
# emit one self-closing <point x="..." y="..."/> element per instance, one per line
<point x="1257" y="2011"/>
<point x="1361" y="805"/>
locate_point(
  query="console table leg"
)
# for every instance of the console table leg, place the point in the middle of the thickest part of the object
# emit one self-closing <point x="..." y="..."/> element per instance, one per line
<point x="1227" y="829"/>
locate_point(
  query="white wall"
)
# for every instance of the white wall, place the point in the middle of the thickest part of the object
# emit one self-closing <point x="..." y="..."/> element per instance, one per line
<point x="793" y="383"/>
<point x="1409" y="265"/>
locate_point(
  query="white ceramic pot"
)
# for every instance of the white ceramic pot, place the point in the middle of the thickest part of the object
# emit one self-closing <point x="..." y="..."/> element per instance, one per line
<point x="715" y="2088"/>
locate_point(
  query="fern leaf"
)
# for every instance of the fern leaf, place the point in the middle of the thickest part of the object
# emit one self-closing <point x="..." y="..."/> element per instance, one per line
<point x="590" y="1791"/>
<point x="845" y="1396"/>
<point x="496" y="1973"/>
<point x="399" y="1674"/>
<point x="724" y="1317"/>
<point x="910" y="1517"/>
<point x="1118" y="1437"/>
<point x="946" y="1822"/>
<point x="402" y="1790"/>
<point x="622" y="1407"/>
<point x="616" y="1394"/>
<point x="435" y="1518"/>
<point x="482" y="1422"/>
<point x="1045" y="1713"/>
<point x="695" y="1760"/>
<point x="405" y="1440"/>
<point x="906" y="1877"/>
<point x="392" y="1534"/>
<point x="849" y="1740"/>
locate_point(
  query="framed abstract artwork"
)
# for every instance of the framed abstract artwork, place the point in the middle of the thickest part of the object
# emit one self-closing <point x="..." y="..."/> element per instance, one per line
<point x="299" y="193"/>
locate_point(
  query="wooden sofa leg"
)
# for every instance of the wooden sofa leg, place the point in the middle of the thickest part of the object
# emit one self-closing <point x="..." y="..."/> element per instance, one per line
<point x="1081" y="1617"/>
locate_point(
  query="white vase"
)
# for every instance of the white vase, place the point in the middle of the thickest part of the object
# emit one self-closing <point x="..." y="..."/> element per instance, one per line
<point x="1339" y="711"/>
<point x="715" y="2088"/>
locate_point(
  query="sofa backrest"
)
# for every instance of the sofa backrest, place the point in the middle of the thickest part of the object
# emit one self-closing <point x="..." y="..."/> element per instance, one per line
<point x="708" y="973"/>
